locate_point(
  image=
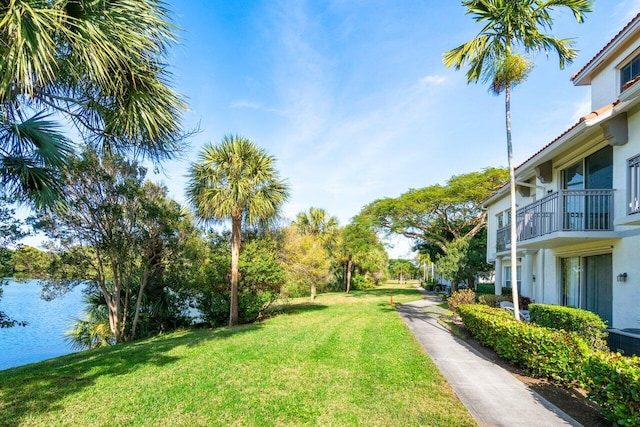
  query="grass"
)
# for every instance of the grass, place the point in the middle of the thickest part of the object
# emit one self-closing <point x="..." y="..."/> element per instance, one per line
<point x="343" y="360"/>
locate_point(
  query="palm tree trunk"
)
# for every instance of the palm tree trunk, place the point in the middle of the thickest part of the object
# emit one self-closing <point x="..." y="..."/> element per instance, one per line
<point x="236" y="233"/>
<point x="512" y="191"/>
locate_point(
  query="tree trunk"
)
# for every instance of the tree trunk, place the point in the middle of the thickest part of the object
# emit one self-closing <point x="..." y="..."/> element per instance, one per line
<point x="313" y="290"/>
<point x="348" y="276"/>
<point x="512" y="188"/>
<point x="143" y="284"/>
<point x="236" y="236"/>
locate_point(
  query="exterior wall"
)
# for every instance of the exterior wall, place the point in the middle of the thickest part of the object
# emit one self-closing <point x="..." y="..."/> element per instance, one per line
<point x="626" y="295"/>
<point x="620" y="156"/>
<point x="605" y="83"/>
<point x="604" y="88"/>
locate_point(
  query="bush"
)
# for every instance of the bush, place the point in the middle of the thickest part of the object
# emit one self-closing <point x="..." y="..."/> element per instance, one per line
<point x="589" y="326"/>
<point x="485" y="288"/>
<point x="543" y="352"/>
<point x="464" y="296"/>
<point x="613" y="382"/>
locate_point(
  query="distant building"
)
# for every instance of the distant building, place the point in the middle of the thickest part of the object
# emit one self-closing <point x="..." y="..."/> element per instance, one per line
<point x="578" y="219"/>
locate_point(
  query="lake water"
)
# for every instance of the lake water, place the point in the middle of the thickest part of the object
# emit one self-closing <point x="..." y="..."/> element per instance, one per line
<point x="43" y="337"/>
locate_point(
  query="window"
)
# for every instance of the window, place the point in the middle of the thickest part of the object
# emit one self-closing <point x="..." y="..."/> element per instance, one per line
<point x="633" y="185"/>
<point x="507" y="277"/>
<point x="629" y="72"/>
<point x="503" y="219"/>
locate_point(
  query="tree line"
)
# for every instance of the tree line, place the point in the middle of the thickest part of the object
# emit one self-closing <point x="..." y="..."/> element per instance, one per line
<point x="145" y="259"/>
<point x="100" y="67"/>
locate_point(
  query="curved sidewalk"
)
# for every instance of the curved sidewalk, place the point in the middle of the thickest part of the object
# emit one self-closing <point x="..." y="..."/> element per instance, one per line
<point x="492" y="395"/>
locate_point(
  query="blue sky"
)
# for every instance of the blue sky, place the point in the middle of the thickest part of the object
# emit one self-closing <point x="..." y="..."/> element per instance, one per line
<point x="352" y="97"/>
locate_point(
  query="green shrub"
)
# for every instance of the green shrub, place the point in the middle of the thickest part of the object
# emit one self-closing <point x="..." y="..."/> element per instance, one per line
<point x="481" y="321"/>
<point x="464" y="296"/>
<point x="589" y="326"/>
<point x="556" y="355"/>
<point x="485" y="288"/>
<point x="360" y="283"/>
<point x="613" y="382"/>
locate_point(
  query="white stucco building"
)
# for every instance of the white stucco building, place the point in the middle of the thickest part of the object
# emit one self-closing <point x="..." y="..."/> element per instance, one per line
<point x="578" y="217"/>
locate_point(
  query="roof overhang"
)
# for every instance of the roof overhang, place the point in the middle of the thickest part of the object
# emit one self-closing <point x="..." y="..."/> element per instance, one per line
<point x="584" y="75"/>
<point x="592" y="125"/>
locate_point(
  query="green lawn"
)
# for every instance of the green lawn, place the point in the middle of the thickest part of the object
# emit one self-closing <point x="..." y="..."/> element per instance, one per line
<point x="343" y="360"/>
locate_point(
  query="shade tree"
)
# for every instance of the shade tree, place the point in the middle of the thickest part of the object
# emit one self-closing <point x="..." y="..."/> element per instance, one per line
<point x="437" y="214"/>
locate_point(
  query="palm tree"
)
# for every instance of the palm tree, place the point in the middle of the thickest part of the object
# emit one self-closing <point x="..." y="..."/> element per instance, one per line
<point x="99" y="65"/>
<point x="236" y="180"/>
<point x="512" y="29"/>
<point x="317" y="222"/>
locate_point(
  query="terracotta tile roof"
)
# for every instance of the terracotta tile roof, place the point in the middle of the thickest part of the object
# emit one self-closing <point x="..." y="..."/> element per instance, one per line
<point x="589" y="116"/>
<point x="599" y="111"/>
<point x="612" y="41"/>
<point x="586" y="117"/>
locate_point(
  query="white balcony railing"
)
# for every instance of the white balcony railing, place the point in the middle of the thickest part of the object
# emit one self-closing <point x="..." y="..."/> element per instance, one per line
<point x="564" y="210"/>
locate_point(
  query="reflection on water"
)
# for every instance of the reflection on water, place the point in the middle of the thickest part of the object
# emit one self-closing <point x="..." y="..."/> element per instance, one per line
<point x="43" y="337"/>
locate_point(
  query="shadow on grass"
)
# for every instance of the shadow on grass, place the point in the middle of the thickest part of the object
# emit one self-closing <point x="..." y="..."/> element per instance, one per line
<point x="385" y="292"/>
<point x="299" y="308"/>
<point x="39" y="388"/>
<point x="385" y="307"/>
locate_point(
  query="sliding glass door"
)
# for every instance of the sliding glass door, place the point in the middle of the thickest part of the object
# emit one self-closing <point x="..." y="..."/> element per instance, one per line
<point x="587" y="283"/>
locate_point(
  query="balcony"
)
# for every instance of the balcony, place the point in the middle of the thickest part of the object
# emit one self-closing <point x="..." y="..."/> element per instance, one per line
<point x="565" y="213"/>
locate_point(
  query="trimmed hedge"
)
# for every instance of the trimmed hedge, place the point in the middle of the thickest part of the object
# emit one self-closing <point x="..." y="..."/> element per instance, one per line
<point x="589" y="326"/>
<point x="613" y="382"/>
<point x="544" y="352"/>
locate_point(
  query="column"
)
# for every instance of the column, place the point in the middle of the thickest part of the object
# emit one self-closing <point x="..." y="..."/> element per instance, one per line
<point x="498" y="276"/>
<point x="527" y="275"/>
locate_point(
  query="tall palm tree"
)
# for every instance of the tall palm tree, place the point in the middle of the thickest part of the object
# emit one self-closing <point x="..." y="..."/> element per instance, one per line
<point x="99" y="65"/>
<point x="512" y="29"/>
<point x="236" y="180"/>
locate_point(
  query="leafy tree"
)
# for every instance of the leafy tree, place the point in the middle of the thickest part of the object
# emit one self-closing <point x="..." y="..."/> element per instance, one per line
<point x="360" y="248"/>
<point x="261" y="278"/>
<point x="236" y="180"/>
<point x="454" y="265"/>
<point x="512" y="29"/>
<point x="118" y="231"/>
<point x="439" y="213"/>
<point x="31" y="263"/>
<point x="306" y="262"/>
<point x="98" y="65"/>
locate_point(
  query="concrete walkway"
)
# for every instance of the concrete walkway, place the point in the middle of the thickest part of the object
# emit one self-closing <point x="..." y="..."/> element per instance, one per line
<point x="492" y="395"/>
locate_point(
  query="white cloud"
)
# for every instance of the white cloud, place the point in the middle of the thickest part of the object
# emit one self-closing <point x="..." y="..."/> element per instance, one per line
<point x="431" y="80"/>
